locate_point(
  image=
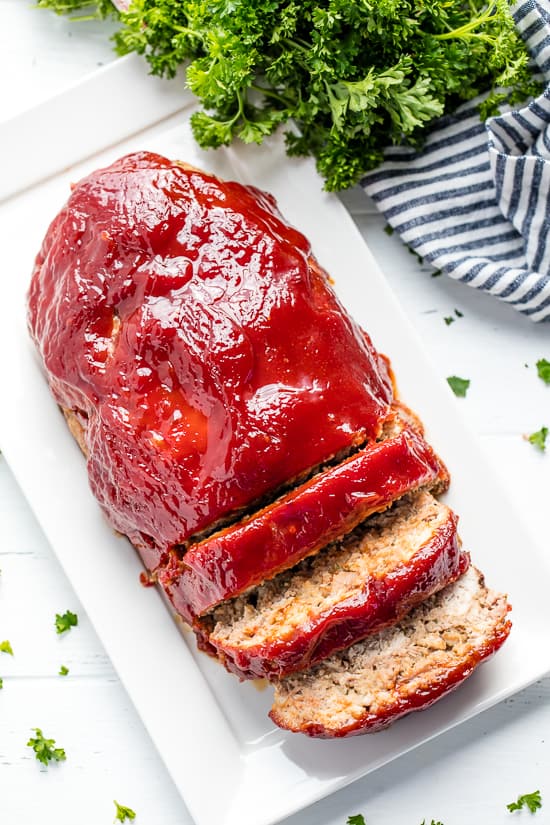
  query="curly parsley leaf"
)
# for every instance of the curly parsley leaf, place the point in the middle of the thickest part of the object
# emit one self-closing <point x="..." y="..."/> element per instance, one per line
<point x="413" y="106"/>
<point x="65" y="621"/>
<point x="5" y="647"/>
<point x="532" y="801"/>
<point x="538" y="439"/>
<point x="353" y="76"/>
<point x="543" y="370"/>
<point x="458" y="385"/>
<point x="44" y="748"/>
<point x="123" y="813"/>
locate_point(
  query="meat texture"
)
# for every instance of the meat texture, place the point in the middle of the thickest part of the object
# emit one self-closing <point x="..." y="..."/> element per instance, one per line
<point x="401" y="669"/>
<point x="371" y="578"/>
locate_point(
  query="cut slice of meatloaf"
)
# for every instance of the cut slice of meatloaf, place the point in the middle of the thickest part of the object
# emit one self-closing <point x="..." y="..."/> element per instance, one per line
<point x="370" y="579"/>
<point x="300" y="523"/>
<point x="403" y="668"/>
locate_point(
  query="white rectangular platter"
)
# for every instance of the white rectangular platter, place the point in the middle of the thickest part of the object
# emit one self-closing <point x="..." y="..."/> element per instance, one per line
<point x="229" y="762"/>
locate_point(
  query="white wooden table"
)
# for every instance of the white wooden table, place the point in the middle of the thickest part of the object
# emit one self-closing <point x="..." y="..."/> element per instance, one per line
<point x="467" y="775"/>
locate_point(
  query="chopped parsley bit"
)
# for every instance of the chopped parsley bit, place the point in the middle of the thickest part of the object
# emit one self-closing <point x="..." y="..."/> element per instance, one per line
<point x="358" y="819"/>
<point x="1" y="684"/>
<point x="5" y="647"/>
<point x="437" y="273"/>
<point x="532" y="801"/>
<point x="538" y="439"/>
<point x="44" y="748"/>
<point x="543" y="370"/>
<point x="123" y="813"/>
<point x="66" y="621"/>
<point x="450" y="319"/>
<point x="416" y="255"/>
<point x="459" y="386"/>
<point x="433" y="822"/>
<point x="63" y="671"/>
<point x="389" y="230"/>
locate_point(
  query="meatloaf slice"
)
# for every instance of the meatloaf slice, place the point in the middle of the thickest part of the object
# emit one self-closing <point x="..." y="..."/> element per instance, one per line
<point x="300" y="523"/>
<point x="371" y="578"/>
<point x="403" y="668"/>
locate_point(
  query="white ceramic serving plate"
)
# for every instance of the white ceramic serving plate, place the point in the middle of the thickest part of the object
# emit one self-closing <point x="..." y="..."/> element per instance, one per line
<point x="229" y="762"/>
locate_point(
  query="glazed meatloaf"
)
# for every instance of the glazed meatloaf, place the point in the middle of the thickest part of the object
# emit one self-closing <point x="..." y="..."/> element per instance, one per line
<point x="191" y="331"/>
<point x="244" y="433"/>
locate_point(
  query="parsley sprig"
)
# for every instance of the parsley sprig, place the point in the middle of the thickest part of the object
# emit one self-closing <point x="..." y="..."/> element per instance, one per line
<point x="65" y="621"/>
<point x="538" y="439"/>
<point x="123" y="813"/>
<point x="353" y="76"/>
<point x="458" y="385"/>
<point x="543" y="370"/>
<point x="532" y="801"/>
<point x="44" y="748"/>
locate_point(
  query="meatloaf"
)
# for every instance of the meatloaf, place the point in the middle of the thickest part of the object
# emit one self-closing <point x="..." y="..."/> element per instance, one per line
<point x="201" y="346"/>
<point x="244" y="433"/>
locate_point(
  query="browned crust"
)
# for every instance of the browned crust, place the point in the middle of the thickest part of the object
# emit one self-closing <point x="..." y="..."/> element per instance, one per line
<point x="77" y="429"/>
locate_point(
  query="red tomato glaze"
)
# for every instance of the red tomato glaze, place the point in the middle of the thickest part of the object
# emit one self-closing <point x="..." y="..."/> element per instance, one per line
<point x="381" y="602"/>
<point x="190" y="326"/>
<point x="299" y="523"/>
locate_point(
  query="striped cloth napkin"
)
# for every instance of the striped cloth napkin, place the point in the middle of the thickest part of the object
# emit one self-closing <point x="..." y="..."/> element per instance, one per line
<point x="475" y="200"/>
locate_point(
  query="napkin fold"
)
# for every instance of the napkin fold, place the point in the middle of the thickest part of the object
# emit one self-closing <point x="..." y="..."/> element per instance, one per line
<point x="475" y="200"/>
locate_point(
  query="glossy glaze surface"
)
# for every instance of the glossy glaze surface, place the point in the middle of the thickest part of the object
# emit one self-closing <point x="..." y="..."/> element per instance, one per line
<point x="382" y="601"/>
<point x="200" y="343"/>
<point x="301" y="522"/>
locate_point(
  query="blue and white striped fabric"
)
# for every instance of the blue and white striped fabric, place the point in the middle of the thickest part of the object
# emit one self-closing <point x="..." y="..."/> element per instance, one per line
<point x="475" y="201"/>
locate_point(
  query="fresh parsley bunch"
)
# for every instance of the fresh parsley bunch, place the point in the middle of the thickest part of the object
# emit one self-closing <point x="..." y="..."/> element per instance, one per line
<point x="353" y="75"/>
